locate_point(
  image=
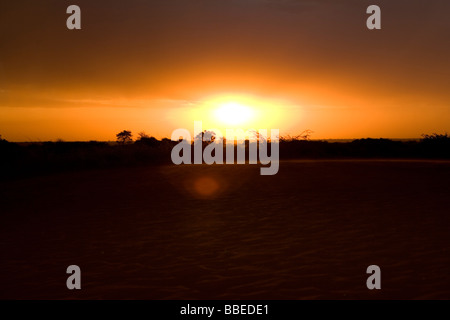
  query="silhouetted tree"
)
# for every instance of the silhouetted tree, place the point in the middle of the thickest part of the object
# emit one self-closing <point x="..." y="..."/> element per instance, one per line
<point x="206" y="136"/>
<point x="124" y="137"/>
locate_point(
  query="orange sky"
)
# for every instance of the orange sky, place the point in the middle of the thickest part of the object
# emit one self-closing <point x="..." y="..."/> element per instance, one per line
<point x="155" y="66"/>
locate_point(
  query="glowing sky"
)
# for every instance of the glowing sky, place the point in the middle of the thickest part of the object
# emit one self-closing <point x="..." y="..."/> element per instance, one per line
<point x="155" y="66"/>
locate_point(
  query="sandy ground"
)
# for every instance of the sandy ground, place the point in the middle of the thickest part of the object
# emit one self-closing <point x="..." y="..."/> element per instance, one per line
<point x="226" y="232"/>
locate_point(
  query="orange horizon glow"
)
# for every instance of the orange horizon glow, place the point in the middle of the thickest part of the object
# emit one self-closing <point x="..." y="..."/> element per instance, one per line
<point x="101" y="123"/>
<point x="285" y="65"/>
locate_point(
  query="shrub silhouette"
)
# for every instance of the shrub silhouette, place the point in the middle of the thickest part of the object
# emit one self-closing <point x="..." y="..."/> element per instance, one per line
<point x="3" y="141"/>
<point x="147" y="141"/>
<point x="435" y="145"/>
<point x="435" y="137"/>
<point x="21" y="159"/>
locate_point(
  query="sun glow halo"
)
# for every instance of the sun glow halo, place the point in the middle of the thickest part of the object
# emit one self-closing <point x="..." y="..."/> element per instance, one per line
<point x="233" y="113"/>
<point x="238" y="111"/>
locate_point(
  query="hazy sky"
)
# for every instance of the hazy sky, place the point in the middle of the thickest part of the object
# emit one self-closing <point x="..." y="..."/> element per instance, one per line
<point x="156" y="66"/>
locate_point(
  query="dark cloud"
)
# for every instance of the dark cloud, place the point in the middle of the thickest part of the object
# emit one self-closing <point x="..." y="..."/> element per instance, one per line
<point x="180" y="49"/>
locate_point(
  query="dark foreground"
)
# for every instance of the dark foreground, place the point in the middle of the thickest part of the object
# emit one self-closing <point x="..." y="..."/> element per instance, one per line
<point x="225" y="232"/>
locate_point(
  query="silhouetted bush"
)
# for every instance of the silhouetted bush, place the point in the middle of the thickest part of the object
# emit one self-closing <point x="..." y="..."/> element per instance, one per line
<point x="435" y="137"/>
<point x="22" y="159"/>
<point x="435" y="145"/>
<point x="148" y="141"/>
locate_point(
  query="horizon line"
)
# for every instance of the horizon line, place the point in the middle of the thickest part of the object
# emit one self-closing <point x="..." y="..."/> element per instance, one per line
<point x="327" y="139"/>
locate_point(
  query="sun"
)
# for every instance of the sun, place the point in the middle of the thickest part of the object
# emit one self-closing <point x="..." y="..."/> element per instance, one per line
<point x="233" y="113"/>
<point x="239" y="111"/>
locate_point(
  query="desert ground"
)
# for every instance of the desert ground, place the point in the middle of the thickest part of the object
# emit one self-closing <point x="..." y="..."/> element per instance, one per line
<point x="226" y="232"/>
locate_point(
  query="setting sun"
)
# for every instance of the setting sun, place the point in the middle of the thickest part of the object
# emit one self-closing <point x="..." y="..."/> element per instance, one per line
<point x="238" y="111"/>
<point x="233" y="113"/>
